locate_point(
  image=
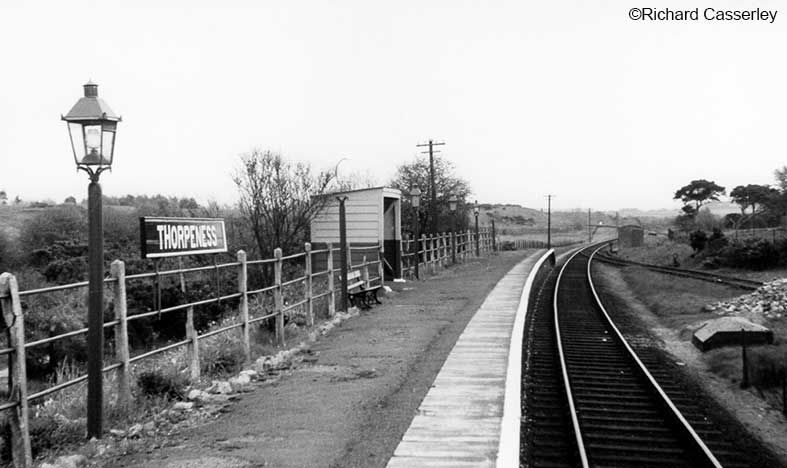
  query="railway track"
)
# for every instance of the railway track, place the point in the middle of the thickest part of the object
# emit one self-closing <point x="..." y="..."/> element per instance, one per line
<point x="741" y="283"/>
<point x="590" y="400"/>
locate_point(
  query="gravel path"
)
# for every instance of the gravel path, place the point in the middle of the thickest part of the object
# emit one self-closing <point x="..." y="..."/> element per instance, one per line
<point x="348" y="404"/>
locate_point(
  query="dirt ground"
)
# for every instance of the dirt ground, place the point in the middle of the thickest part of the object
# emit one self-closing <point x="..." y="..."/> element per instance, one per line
<point x="763" y="421"/>
<point x="349" y="402"/>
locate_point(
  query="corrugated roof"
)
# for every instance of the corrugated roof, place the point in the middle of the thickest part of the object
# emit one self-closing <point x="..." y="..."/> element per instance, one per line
<point x="356" y="190"/>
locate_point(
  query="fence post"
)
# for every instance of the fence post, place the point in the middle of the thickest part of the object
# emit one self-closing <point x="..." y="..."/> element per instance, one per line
<point x="191" y="331"/>
<point x="118" y="271"/>
<point x="277" y="296"/>
<point x="494" y="242"/>
<point x="446" y="247"/>
<point x="309" y="292"/>
<point x="431" y="254"/>
<point x="332" y="295"/>
<point x="418" y="249"/>
<point x="365" y="273"/>
<point x="19" y="422"/>
<point x="453" y="247"/>
<point x="441" y="249"/>
<point x="243" y="288"/>
<point x="380" y="270"/>
<point x="745" y="376"/>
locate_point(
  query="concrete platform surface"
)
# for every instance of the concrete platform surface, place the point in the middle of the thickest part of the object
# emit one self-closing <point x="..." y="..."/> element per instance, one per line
<point x="458" y="424"/>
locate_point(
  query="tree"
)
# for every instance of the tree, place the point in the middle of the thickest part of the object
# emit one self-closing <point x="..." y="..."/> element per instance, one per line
<point x="70" y="201"/>
<point x="447" y="185"/>
<point x="751" y="196"/>
<point x="698" y="192"/>
<point x="3" y="197"/>
<point x="781" y="178"/>
<point x="278" y="199"/>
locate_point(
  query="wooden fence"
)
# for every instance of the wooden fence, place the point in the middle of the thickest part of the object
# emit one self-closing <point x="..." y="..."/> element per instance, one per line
<point x="443" y="248"/>
<point x="432" y="251"/>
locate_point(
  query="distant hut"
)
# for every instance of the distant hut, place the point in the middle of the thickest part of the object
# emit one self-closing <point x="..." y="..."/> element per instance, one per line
<point x="631" y="235"/>
<point x="373" y="219"/>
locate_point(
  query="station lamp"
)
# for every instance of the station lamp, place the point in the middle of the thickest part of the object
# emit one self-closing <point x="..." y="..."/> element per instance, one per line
<point x="415" y="197"/>
<point x="92" y="127"/>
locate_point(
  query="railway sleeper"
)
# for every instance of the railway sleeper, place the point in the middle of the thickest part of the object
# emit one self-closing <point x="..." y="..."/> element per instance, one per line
<point x="622" y="419"/>
<point x="612" y="391"/>
<point x="631" y="438"/>
<point x="633" y="460"/>
<point x="639" y="448"/>
<point x="621" y="380"/>
<point x="623" y="411"/>
<point x="551" y="463"/>
<point x="626" y="428"/>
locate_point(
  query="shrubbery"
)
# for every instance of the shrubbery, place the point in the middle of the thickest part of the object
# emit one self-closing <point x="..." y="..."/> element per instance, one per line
<point x="754" y="254"/>
<point x="166" y="382"/>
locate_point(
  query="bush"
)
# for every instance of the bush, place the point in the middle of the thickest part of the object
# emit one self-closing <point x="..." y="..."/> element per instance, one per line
<point x="223" y="355"/>
<point x="8" y="255"/>
<point x="47" y="433"/>
<point x="697" y="240"/>
<point x="507" y="245"/>
<point x="166" y="382"/>
<point x="754" y="254"/>
<point x="60" y="224"/>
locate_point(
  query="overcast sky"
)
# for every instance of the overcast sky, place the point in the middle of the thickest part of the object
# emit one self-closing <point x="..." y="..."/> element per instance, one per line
<point x="570" y="98"/>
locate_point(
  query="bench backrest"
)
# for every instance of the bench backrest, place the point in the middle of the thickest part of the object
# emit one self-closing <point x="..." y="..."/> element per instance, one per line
<point x="353" y="275"/>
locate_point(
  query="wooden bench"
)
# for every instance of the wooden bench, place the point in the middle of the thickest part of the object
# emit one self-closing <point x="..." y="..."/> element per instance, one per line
<point x="359" y="295"/>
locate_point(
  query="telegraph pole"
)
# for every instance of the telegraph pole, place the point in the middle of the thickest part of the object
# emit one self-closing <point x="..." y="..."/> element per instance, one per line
<point x="433" y="190"/>
<point x="590" y="233"/>
<point x="549" y="221"/>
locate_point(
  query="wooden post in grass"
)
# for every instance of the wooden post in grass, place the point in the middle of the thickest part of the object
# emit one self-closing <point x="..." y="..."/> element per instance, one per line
<point x="277" y="296"/>
<point x="331" y="289"/>
<point x="309" y="293"/>
<point x="17" y="372"/>
<point x="191" y="331"/>
<point x="118" y="272"/>
<point x="243" y="288"/>
<point x="745" y="378"/>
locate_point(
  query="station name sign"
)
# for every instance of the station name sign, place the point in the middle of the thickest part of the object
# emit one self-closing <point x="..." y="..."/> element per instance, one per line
<point x="170" y="237"/>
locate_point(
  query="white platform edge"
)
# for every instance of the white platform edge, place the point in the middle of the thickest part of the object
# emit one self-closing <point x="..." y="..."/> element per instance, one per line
<point x="508" y="448"/>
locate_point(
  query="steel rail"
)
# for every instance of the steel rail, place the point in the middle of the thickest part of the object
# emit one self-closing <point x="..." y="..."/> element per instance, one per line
<point x="742" y="283"/>
<point x="644" y="370"/>
<point x="564" y="368"/>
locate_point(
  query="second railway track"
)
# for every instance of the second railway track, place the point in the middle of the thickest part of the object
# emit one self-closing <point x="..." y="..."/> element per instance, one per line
<point x="599" y="402"/>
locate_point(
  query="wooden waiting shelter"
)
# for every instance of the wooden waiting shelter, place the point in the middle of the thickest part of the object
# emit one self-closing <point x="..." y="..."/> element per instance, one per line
<point x="373" y="219"/>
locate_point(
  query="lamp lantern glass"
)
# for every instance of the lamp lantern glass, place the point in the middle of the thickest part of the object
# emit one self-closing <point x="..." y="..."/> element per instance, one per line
<point x="475" y="208"/>
<point x="91" y="127"/>
<point x="415" y="197"/>
<point x="452" y="204"/>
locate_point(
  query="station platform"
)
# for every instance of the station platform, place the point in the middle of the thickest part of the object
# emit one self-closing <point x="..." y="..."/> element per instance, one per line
<point x="471" y="415"/>
<point x="350" y="400"/>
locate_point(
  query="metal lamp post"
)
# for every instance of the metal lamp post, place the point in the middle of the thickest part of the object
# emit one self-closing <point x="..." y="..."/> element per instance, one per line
<point x="477" y="247"/>
<point x="415" y="200"/>
<point x="91" y="127"/>
<point x="344" y="251"/>
<point x="452" y="206"/>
